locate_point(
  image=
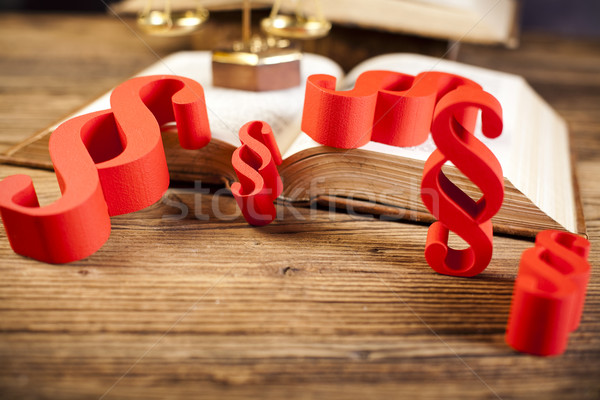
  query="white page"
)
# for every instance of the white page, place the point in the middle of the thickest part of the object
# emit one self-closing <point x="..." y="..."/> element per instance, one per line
<point x="229" y="109"/>
<point x="502" y="86"/>
<point x="529" y="125"/>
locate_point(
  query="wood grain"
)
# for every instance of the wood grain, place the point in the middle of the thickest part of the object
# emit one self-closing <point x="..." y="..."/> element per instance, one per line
<point x="316" y="305"/>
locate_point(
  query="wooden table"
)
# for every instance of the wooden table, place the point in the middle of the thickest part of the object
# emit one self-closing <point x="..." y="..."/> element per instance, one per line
<point x="332" y="306"/>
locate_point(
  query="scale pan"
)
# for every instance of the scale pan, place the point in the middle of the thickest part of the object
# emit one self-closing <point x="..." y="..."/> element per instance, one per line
<point x="291" y="27"/>
<point x="175" y="23"/>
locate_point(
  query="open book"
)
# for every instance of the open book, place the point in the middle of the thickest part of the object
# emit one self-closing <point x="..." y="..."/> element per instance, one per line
<point x="541" y="189"/>
<point x="477" y="21"/>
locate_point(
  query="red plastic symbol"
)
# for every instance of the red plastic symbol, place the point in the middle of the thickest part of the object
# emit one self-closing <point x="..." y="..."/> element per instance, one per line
<point x="452" y="131"/>
<point x="108" y="162"/>
<point x="255" y="163"/>
<point x="384" y="106"/>
<point x="549" y="293"/>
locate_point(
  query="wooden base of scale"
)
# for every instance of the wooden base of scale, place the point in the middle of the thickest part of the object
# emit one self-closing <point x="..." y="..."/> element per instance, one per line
<point x="271" y="69"/>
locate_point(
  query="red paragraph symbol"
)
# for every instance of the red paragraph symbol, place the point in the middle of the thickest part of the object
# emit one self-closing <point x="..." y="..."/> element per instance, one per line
<point x="384" y="106"/>
<point x="107" y="163"/>
<point x="452" y="130"/>
<point x="549" y="293"/>
<point x="255" y="163"/>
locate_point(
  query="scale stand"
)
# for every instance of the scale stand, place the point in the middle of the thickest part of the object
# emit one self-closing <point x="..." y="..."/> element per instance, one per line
<point x="262" y="64"/>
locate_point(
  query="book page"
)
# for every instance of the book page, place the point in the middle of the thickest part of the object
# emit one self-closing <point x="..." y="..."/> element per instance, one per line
<point x="533" y="148"/>
<point x="502" y="86"/>
<point x="229" y="109"/>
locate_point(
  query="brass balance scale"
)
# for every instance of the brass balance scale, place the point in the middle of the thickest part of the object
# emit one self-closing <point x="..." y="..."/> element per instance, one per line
<point x="257" y="63"/>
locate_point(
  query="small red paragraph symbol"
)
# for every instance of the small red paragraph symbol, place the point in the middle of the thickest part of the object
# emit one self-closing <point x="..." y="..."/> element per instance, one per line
<point x="255" y="163"/>
<point x="452" y="131"/>
<point x="107" y="163"/>
<point x="549" y="293"/>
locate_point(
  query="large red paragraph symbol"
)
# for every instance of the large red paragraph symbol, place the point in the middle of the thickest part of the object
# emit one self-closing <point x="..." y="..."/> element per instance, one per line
<point x="255" y="163"/>
<point x="549" y="293"/>
<point x="384" y="106"/>
<point x="107" y="163"/>
<point x="452" y="130"/>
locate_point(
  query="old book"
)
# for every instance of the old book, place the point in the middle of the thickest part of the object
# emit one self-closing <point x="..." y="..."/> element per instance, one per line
<point x="541" y="187"/>
<point x="476" y="21"/>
